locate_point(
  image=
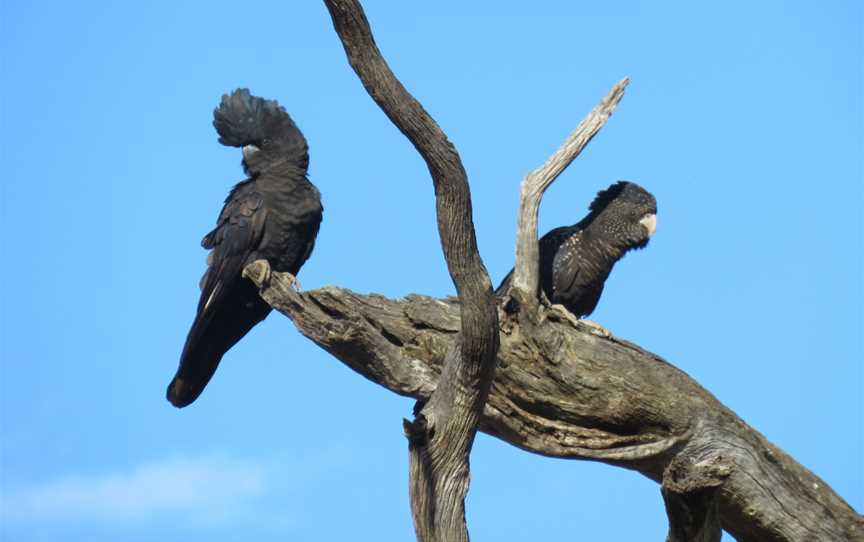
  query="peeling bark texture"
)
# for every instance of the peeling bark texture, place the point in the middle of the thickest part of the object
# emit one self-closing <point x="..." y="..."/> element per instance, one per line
<point x="561" y="390"/>
<point x="442" y="433"/>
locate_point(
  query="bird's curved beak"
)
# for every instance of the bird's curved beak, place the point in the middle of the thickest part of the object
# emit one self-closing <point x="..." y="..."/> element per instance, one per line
<point x="249" y="150"/>
<point x="650" y="223"/>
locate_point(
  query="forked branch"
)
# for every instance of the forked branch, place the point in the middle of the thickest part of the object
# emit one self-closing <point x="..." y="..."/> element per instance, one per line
<point x="562" y="391"/>
<point x="442" y="433"/>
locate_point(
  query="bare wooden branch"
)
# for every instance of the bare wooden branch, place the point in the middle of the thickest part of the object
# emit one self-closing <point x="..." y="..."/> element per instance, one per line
<point x="442" y="433"/>
<point x="526" y="277"/>
<point x="689" y="491"/>
<point x="562" y="391"/>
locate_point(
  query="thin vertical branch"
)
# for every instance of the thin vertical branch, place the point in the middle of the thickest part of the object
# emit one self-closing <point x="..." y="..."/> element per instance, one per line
<point x="442" y="433"/>
<point x="526" y="274"/>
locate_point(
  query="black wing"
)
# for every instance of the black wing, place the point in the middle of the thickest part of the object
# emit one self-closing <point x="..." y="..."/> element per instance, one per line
<point x="548" y="245"/>
<point x="577" y="281"/>
<point x="232" y="242"/>
<point x="229" y="305"/>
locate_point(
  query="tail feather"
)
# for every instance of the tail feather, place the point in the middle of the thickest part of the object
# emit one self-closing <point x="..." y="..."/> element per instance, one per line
<point x="193" y="376"/>
<point x="201" y="355"/>
<point x="213" y="333"/>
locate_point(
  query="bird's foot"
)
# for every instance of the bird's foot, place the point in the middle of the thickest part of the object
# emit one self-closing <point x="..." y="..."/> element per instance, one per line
<point x="596" y="329"/>
<point x="258" y="272"/>
<point x="586" y="325"/>
<point x="562" y="311"/>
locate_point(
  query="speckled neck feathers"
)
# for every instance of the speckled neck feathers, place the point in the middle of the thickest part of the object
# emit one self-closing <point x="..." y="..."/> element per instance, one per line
<point x="576" y="260"/>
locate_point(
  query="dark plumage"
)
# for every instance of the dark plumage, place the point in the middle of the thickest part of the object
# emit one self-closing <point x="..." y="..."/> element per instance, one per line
<point x="576" y="260"/>
<point x="272" y="215"/>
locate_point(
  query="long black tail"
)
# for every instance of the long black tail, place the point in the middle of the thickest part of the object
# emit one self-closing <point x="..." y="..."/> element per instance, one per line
<point x="211" y="336"/>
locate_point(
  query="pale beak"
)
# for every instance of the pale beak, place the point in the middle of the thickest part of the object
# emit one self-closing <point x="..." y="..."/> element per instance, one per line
<point x="249" y="150"/>
<point x="650" y="224"/>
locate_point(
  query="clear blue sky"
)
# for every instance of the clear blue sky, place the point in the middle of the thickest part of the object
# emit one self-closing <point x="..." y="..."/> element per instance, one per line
<point x="743" y="118"/>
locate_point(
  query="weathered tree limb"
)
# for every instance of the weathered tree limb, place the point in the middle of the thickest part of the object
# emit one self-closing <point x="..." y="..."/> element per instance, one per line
<point x="562" y="391"/>
<point x="690" y="493"/>
<point x="526" y="271"/>
<point x="442" y="433"/>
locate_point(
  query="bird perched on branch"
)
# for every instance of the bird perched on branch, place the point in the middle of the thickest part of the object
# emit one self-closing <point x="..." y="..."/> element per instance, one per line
<point x="273" y="215"/>
<point x="576" y="260"/>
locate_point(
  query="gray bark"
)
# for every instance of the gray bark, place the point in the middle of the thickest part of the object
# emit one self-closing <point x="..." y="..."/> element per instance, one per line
<point x="562" y="390"/>
<point x="442" y="433"/>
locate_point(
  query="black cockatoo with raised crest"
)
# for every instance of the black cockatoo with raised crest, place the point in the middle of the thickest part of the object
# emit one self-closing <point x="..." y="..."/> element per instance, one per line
<point x="576" y="260"/>
<point x="273" y="215"/>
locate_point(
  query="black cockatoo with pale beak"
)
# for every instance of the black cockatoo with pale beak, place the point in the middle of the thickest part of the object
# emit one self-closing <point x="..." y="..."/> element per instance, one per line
<point x="273" y="215"/>
<point x="576" y="260"/>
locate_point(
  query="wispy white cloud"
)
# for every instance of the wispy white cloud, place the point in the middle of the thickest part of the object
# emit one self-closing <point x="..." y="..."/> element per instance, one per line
<point x="202" y="490"/>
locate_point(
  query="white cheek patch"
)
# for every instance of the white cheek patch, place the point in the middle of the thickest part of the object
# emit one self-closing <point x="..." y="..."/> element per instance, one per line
<point x="650" y="223"/>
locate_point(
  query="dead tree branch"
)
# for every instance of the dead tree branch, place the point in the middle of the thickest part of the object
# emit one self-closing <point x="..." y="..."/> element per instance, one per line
<point x="442" y="433"/>
<point x="562" y="391"/>
<point x="526" y="272"/>
<point x="690" y="493"/>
